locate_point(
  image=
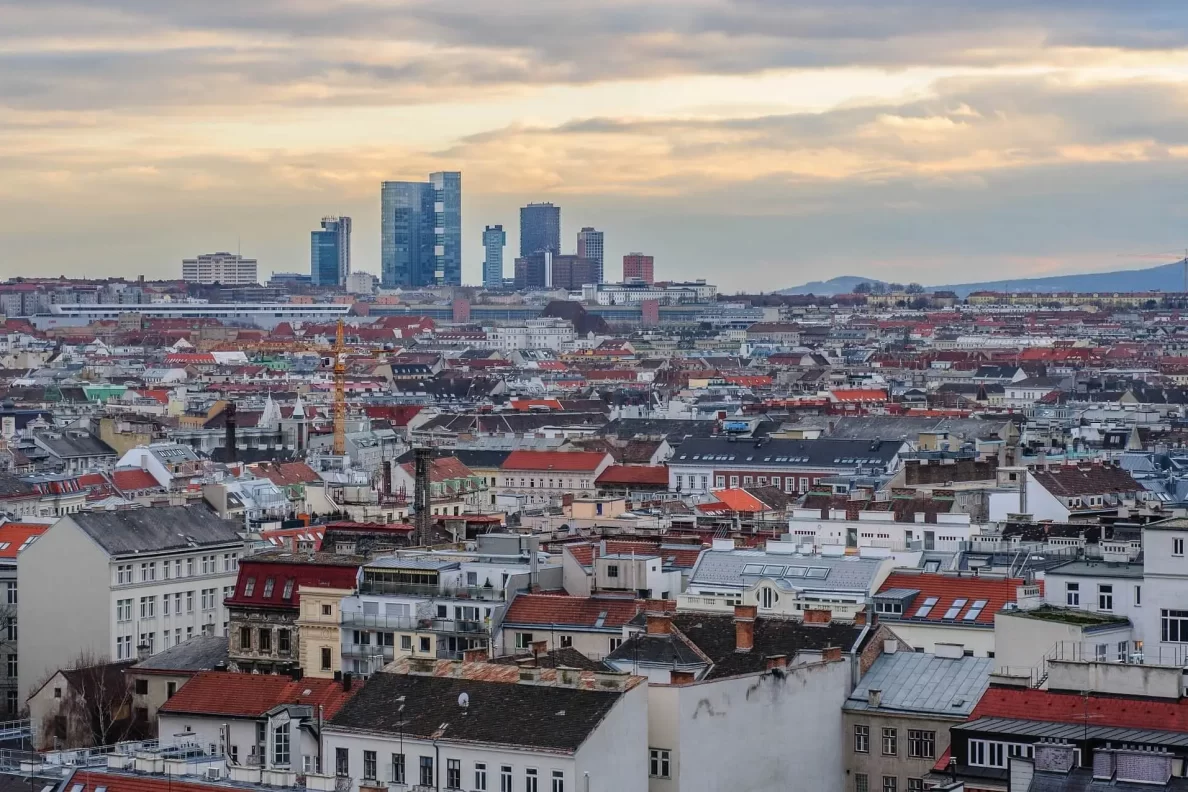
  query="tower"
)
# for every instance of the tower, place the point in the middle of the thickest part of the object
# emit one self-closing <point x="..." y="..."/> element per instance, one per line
<point x="421" y="232"/>
<point x="330" y="252"/>
<point x="494" y="240"/>
<point x="589" y="246"/>
<point x="540" y="228"/>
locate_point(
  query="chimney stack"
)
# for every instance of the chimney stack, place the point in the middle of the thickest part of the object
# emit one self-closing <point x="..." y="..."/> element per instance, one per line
<point x="346" y="681"/>
<point x="681" y="677"/>
<point x="777" y="661"/>
<point x="744" y="627"/>
<point x="474" y="656"/>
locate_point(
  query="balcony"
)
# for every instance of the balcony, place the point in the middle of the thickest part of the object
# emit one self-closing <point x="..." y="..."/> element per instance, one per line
<point x="485" y="593"/>
<point x="356" y="620"/>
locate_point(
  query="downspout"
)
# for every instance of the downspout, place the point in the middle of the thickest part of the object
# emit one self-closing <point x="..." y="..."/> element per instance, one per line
<point x="320" y="769"/>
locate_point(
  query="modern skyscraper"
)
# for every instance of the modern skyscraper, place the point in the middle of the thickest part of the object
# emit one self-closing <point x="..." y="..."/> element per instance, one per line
<point x="572" y="272"/>
<point x="330" y="252"/>
<point x="637" y="266"/>
<point x="589" y="246"/>
<point x="540" y="228"/>
<point x="421" y="232"/>
<point x="494" y="239"/>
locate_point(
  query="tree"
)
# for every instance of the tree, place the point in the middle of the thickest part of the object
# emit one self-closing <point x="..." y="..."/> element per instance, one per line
<point x="95" y="707"/>
<point x="894" y="287"/>
<point x="915" y="288"/>
<point x="862" y="288"/>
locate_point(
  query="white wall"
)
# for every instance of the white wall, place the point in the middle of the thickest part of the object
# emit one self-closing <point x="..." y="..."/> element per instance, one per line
<point x="622" y="737"/>
<point x="926" y="636"/>
<point x="1041" y="504"/>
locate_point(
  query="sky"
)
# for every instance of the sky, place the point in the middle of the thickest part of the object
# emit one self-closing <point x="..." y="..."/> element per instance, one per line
<point x="755" y="143"/>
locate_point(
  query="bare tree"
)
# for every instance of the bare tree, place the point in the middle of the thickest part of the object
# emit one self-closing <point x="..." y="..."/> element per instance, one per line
<point x="95" y="707"/>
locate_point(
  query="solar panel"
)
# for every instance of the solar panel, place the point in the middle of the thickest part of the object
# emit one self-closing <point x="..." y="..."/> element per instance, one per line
<point x="975" y="610"/>
<point x="955" y="608"/>
<point x="926" y="608"/>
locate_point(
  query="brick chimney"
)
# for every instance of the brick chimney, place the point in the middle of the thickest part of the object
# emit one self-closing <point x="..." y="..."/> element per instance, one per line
<point x="474" y="656"/>
<point x="744" y="627"/>
<point x="860" y="618"/>
<point x="817" y="616"/>
<point x="540" y="648"/>
<point x="777" y="661"/>
<point x="659" y="623"/>
<point x="681" y="677"/>
<point x="832" y="654"/>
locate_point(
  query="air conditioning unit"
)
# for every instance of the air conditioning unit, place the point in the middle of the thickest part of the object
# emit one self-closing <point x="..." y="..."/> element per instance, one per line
<point x="214" y="773"/>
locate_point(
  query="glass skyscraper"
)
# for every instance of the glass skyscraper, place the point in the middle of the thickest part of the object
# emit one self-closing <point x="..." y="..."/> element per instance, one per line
<point x="421" y="232"/>
<point x="540" y="228"/>
<point x="589" y="246"/>
<point x="330" y="252"/>
<point x="494" y="239"/>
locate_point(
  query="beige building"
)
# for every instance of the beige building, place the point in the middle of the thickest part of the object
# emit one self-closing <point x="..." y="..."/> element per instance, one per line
<point x="156" y="679"/>
<point x="318" y="639"/>
<point x="896" y="722"/>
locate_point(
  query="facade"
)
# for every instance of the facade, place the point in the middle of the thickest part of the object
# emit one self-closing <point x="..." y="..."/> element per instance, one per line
<point x="140" y="581"/>
<point x="589" y="246"/>
<point x="541" y="476"/>
<point x="638" y="266"/>
<point x="534" y="270"/>
<point x="494" y="240"/>
<point x="540" y="228"/>
<point x="574" y="272"/>
<point x="548" y="333"/>
<point x="421" y="232"/>
<point x="319" y="643"/>
<point x="483" y="726"/>
<point x="227" y="269"/>
<point x="157" y="679"/>
<point x="264" y="607"/>
<point x="330" y="252"/>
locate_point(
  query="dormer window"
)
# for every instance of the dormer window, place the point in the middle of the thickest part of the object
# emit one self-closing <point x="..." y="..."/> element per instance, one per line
<point x="288" y="592"/>
<point x="249" y="587"/>
<point x="268" y="587"/>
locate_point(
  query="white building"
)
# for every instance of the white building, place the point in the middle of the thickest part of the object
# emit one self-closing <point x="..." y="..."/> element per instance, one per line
<point x="108" y="583"/>
<point x="1160" y="612"/>
<point x="546" y="333"/>
<point x="881" y="529"/>
<point x="636" y="292"/>
<point x="259" y="314"/>
<point x="436" y="724"/>
<point x="226" y="269"/>
<point x="361" y="283"/>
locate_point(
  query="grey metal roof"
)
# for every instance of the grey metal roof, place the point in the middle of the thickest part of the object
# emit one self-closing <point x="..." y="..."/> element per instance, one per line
<point x="1098" y="569"/>
<point x="918" y="682"/>
<point x="882" y="427"/>
<point x="737" y="568"/>
<point x="898" y="593"/>
<point x="200" y="653"/>
<point x="823" y="453"/>
<point x="1049" y="730"/>
<point x="157" y="529"/>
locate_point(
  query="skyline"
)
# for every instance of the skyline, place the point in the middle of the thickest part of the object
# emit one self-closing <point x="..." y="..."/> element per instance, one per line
<point x="776" y="141"/>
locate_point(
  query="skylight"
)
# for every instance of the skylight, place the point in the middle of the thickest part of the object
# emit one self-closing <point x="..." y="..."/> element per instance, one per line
<point x="975" y="610"/>
<point x="795" y="572"/>
<point x="818" y="572"/>
<point x="753" y="569"/>
<point x="773" y="571"/>
<point x="926" y="608"/>
<point x="955" y="608"/>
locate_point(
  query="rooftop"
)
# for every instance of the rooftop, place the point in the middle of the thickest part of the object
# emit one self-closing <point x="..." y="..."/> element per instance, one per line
<point x="156" y="530"/>
<point x="227" y="694"/>
<point x="918" y="682"/>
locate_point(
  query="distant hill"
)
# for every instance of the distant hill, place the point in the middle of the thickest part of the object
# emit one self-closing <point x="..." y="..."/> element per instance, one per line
<point x="1164" y="277"/>
<point x="842" y="284"/>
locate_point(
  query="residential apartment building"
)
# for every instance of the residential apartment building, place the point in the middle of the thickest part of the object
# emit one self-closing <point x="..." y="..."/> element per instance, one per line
<point x="541" y="476"/>
<point x="319" y="641"/>
<point x="226" y="269"/>
<point x="637" y="266"/>
<point x="116" y="584"/>
<point x="546" y="333"/>
<point x="14" y="538"/>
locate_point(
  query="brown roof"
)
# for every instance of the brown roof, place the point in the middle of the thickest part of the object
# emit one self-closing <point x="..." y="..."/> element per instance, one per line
<point x="1067" y="480"/>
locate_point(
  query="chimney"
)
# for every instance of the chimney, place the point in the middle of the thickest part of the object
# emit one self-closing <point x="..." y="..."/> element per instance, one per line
<point x="681" y="677"/>
<point x="744" y="627"/>
<point x="950" y="651"/>
<point x="296" y="673"/>
<point x="659" y="623"/>
<point x="817" y="616"/>
<point x="475" y="656"/>
<point x="1054" y="757"/>
<point x="777" y="661"/>
<point x="890" y="646"/>
<point x="874" y="697"/>
<point x="346" y="681"/>
<point x="142" y="652"/>
<point x="860" y="618"/>
<point x="831" y="654"/>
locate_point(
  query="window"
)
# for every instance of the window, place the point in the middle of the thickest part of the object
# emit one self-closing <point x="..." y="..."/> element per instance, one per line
<point x="915" y="785"/>
<point x="327" y="610"/>
<point x="719" y="481"/>
<point x="530" y="780"/>
<point x="124" y="647"/>
<point x="170" y="689"/>
<point x="1099" y="653"/>
<point x="280" y="745"/>
<point x="1173" y="626"/>
<point x="612" y="570"/>
<point x="12" y="593"/>
<point x="615" y="643"/>
<point x="124" y="610"/>
<point x="230" y="562"/>
<point x="480" y="777"/>
<point x="124" y="574"/>
<point x="1123" y="651"/>
<point x="1138" y="596"/>
<point x="287" y="593"/>
<point x="284" y="644"/>
<point x="177" y="603"/>
<point x="177" y="568"/>
<point x="861" y="739"/>
<point x="861" y="782"/>
<point x="1072" y="594"/>
<point x="265" y="639"/>
<point x="558" y="781"/>
<point x="523" y="640"/>
<point x="268" y="588"/>
<point x="453" y="774"/>
<point x="427" y="771"/>
<point x="10" y="701"/>
<point x="249" y="587"/>
<point x="148" y="607"/>
<point x="245" y="637"/>
<point x="1178" y="546"/>
<point x="397" y="768"/>
<point x="342" y="762"/>
<point x="890" y="742"/>
<point x="984" y="753"/>
<point x="505" y="778"/>
<point x="165" y="605"/>
<point x="369" y="765"/>
<point x="189" y="567"/>
<point x="209" y="597"/>
<point x="189" y="602"/>
<point x="566" y="641"/>
<point x="659" y="763"/>
<point x="208" y="565"/>
<point x="889" y="783"/>
<point x="734" y="481"/>
<point x="921" y="744"/>
<point x="11" y="627"/>
<point x="326" y="658"/>
<point x="1105" y="597"/>
<point x="406" y="643"/>
<point x="148" y="571"/>
<point x="423" y="644"/>
<point x="12" y="665"/>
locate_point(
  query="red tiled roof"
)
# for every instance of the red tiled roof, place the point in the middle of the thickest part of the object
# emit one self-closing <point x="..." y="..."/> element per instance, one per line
<point x="859" y="394"/>
<point x="1066" y="480"/>
<point x="442" y="469"/>
<point x="553" y="460"/>
<point x="1112" y="711"/>
<point x="634" y="474"/>
<point x="283" y="474"/>
<point x="92" y="781"/>
<point x="258" y="573"/>
<point x="133" y="480"/>
<point x="740" y="500"/>
<point x="561" y="609"/>
<point x="14" y="535"/>
<point x="232" y="695"/>
<point x="528" y="404"/>
<point x="280" y="537"/>
<point x="583" y="552"/>
<point x="948" y="588"/>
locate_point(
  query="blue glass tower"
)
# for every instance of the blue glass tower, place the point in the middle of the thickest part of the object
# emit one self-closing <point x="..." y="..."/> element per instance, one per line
<point x="330" y="252"/>
<point x="421" y="232"/>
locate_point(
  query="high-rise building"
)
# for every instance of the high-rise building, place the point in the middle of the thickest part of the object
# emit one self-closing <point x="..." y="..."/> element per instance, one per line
<point x="534" y="271"/>
<point x="330" y="252"/>
<point x="637" y="266"/>
<point x="589" y="246"/>
<point x="540" y="228"/>
<point x="494" y="239"/>
<point x="226" y="269"/>
<point x="572" y="272"/>
<point x="421" y="232"/>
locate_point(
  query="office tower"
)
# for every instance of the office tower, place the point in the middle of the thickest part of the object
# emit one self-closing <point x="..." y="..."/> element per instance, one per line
<point x="637" y="266"/>
<point x="540" y="228"/>
<point x="534" y="271"/>
<point x="494" y="239"/>
<point x="589" y="246"/>
<point x="226" y="269"/>
<point x="330" y="252"/>
<point x="572" y="272"/>
<point x="421" y="232"/>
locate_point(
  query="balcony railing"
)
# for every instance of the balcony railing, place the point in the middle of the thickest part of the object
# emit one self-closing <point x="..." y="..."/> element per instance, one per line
<point x="488" y="593"/>
<point x="358" y="620"/>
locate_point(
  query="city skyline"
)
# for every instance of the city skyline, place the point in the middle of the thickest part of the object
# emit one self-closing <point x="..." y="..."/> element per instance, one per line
<point x="778" y="139"/>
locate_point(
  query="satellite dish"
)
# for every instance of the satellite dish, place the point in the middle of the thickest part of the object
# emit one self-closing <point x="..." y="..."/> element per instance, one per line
<point x="463" y="700"/>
